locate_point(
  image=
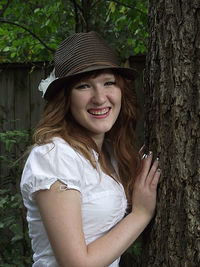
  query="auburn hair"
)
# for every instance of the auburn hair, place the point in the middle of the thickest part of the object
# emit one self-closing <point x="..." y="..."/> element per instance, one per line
<point x="57" y="120"/>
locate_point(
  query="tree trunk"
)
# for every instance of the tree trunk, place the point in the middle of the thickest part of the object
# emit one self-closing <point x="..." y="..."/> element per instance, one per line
<point x="172" y="130"/>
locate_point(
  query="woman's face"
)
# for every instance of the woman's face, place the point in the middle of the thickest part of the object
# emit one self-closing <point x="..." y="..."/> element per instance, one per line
<point x="95" y="103"/>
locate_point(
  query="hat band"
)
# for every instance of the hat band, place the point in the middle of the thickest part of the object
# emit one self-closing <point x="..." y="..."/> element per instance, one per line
<point x="85" y="66"/>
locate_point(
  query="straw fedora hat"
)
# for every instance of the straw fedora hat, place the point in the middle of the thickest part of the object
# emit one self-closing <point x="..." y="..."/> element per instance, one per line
<point x="78" y="54"/>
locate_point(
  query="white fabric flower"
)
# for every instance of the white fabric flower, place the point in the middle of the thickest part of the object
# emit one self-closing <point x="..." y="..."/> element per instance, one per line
<point x="45" y="83"/>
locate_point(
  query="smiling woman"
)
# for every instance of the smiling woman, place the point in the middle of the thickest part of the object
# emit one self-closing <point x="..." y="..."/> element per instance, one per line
<point x="95" y="104"/>
<point x="88" y="192"/>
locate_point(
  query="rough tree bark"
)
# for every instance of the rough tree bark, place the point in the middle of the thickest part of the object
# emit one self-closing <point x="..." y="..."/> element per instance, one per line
<point x="172" y="130"/>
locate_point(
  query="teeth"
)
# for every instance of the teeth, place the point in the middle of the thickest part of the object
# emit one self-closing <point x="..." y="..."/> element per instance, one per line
<point x="99" y="112"/>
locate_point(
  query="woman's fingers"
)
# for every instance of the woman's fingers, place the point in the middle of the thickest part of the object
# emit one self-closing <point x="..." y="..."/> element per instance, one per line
<point x="149" y="173"/>
<point x="155" y="179"/>
<point x="141" y="151"/>
<point x="146" y="164"/>
<point x="152" y="171"/>
<point x="144" y="191"/>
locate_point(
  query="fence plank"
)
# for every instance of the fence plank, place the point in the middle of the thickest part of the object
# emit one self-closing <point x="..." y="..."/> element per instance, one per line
<point x="6" y="99"/>
<point x="6" y="110"/>
<point x="22" y="99"/>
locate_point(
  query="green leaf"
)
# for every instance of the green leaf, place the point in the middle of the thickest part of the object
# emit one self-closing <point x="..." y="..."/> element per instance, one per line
<point x="6" y="49"/>
<point x="47" y="22"/>
<point x="13" y="54"/>
<point x="3" y="201"/>
<point x="17" y="237"/>
<point x="1" y="225"/>
<point x="112" y="7"/>
<point x="37" y="10"/>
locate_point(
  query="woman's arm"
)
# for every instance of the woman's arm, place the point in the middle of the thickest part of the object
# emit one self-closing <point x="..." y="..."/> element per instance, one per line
<point x="61" y="214"/>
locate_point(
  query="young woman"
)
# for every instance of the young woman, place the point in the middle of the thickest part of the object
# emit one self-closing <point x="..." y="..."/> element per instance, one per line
<point x="84" y="172"/>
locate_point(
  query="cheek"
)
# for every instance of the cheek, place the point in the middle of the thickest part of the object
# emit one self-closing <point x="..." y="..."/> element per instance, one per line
<point x="120" y="97"/>
<point x="75" y="100"/>
<point x="119" y="101"/>
<point x="73" y="104"/>
<point x="78" y="103"/>
<point x="116" y="97"/>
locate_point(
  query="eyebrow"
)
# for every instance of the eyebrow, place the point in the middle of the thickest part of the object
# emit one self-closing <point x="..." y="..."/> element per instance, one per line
<point x="108" y="76"/>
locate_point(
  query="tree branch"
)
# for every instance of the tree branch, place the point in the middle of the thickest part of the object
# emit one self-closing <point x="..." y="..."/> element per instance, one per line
<point x="95" y="3"/>
<point x="86" y="5"/>
<point x="4" y="7"/>
<point x="76" y="15"/>
<point x="29" y="31"/>
<point x="78" y="6"/>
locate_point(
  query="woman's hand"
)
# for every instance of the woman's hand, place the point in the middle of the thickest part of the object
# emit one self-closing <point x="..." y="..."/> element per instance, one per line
<point x="145" y="187"/>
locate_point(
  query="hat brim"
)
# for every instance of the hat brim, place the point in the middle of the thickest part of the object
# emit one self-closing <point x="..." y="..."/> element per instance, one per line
<point x="60" y="83"/>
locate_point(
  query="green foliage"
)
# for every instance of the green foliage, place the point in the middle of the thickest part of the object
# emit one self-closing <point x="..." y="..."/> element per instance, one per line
<point x="130" y="26"/>
<point x="136" y="248"/>
<point x="41" y="19"/>
<point x="15" y="249"/>
<point x="31" y="30"/>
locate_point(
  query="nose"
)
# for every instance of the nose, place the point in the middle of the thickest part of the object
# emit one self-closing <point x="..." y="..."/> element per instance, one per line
<point x="99" y="96"/>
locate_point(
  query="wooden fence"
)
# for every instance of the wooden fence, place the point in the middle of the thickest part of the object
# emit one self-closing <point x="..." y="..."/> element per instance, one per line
<point x="20" y="102"/>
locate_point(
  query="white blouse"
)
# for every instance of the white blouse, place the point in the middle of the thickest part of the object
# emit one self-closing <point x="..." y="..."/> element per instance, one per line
<point x="104" y="202"/>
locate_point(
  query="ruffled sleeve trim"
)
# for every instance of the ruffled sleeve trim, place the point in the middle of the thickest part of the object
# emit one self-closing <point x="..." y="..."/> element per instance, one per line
<point x="42" y="183"/>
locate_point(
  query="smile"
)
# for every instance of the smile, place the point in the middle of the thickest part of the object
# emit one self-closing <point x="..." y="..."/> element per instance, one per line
<point x="97" y="112"/>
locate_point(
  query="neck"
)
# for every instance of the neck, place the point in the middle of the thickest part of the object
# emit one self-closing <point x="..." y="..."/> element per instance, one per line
<point x="98" y="139"/>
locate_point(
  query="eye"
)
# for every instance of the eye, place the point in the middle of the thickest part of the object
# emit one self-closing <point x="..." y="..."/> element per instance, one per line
<point x="82" y="86"/>
<point x="110" y="83"/>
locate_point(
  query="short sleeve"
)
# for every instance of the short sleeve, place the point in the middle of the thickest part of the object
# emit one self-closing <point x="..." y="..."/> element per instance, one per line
<point x="49" y="163"/>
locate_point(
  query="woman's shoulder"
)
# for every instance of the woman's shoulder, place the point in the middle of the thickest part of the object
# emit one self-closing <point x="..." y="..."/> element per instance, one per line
<point x="56" y="160"/>
<point x="56" y="145"/>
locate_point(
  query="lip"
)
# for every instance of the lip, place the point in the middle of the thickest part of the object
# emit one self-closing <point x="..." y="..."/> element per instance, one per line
<point x="99" y="113"/>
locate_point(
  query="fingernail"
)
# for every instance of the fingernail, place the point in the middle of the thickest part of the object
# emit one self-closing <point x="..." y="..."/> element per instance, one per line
<point x="157" y="159"/>
<point x="143" y="146"/>
<point x="144" y="156"/>
<point x="158" y="170"/>
<point x="150" y="153"/>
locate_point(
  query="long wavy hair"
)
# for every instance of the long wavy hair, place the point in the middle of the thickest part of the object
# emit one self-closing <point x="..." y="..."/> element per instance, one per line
<point x="57" y="120"/>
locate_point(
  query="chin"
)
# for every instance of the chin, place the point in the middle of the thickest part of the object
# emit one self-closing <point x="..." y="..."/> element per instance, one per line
<point x="103" y="131"/>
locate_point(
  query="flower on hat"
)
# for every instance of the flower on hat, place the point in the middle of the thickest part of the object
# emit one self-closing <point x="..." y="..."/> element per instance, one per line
<point x="44" y="84"/>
